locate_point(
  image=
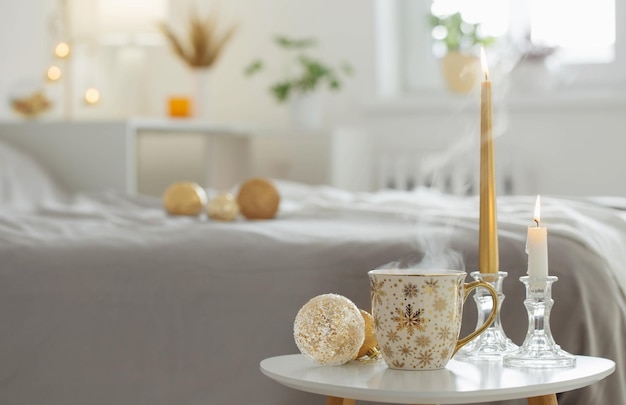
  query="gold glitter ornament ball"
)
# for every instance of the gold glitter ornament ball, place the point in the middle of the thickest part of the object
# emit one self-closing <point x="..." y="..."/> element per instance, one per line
<point x="184" y="198"/>
<point x="258" y="198"/>
<point x="223" y="207"/>
<point x="370" y="342"/>
<point x="329" y="329"/>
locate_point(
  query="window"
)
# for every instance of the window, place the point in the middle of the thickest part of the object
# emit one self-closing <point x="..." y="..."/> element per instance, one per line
<point x="583" y="36"/>
<point x="584" y="33"/>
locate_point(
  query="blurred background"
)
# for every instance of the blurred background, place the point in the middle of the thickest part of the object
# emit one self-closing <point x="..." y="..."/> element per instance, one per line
<point x="404" y="74"/>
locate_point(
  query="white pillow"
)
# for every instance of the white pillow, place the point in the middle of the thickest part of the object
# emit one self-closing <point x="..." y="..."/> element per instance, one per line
<point x="24" y="183"/>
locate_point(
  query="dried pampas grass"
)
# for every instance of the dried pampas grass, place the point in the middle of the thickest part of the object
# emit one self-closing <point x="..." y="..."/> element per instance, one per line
<point x="204" y="44"/>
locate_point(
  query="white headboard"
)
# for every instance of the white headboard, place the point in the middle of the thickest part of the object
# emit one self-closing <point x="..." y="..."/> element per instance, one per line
<point x="82" y="156"/>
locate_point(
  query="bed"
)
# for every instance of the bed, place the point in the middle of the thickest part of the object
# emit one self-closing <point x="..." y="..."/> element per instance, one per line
<point x="105" y="299"/>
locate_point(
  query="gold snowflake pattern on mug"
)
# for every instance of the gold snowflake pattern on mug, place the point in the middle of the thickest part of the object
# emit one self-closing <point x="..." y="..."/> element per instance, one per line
<point x="410" y="319"/>
<point x="377" y="292"/>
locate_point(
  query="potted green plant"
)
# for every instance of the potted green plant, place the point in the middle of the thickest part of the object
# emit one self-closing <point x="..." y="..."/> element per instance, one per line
<point x="459" y="39"/>
<point x="305" y="76"/>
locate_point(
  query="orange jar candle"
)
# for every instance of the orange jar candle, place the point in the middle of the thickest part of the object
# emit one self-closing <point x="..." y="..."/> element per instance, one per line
<point x="179" y="107"/>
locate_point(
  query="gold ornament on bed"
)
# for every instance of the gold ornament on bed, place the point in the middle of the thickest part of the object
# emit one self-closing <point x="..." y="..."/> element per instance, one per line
<point x="258" y="198"/>
<point x="184" y="198"/>
<point x="223" y="207"/>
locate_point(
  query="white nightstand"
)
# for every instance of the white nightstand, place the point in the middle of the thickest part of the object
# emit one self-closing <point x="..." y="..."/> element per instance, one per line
<point x="459" y="383"/>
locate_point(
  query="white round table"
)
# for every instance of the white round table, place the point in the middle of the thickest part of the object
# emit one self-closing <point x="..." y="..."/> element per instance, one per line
<point x="460" y="382"/>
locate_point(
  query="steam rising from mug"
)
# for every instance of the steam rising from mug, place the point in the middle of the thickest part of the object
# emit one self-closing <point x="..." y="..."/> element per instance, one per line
<point x="437" y="251"/>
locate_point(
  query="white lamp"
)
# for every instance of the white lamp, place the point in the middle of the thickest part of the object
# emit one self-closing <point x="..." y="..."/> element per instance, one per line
<point x="129" y="20"/>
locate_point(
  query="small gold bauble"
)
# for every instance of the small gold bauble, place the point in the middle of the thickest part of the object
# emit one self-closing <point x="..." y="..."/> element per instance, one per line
<point x="184" y="198"/>
<point x="223" y="207"/>
<point x="370" y="342"/>
<point x="329" y="329"/>
<point x="258" y="198"/>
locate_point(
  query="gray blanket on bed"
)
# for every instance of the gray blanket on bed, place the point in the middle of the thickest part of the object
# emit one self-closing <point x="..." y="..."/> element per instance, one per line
<point x="106" y="300"/>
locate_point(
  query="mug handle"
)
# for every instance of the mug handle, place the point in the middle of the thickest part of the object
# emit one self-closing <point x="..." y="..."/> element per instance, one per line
<point x="492" y="316"/>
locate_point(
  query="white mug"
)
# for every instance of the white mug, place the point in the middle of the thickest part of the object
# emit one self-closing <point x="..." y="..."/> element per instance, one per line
<point x="417" y="315"/>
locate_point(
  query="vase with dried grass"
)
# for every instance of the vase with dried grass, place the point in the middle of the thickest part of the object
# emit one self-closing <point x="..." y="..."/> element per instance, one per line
<point x="199" y="50"/>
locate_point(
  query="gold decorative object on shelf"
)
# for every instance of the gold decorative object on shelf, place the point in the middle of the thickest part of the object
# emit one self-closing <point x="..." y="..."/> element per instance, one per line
<point x="329" y="329"/>
<point x="205" y="43"/>
<point x="258" y="198"/>
<point x="223" y="207"/>
<point x="184" y="198"/>
<point x="32" y="105"/>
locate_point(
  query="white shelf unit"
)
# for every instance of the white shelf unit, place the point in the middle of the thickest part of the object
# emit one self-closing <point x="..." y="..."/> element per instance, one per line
<point x="146" y="155"/>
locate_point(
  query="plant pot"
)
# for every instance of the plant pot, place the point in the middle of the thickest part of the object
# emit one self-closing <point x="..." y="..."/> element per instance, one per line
<point x="306" y="110"/>
<point x="461" y="71"/>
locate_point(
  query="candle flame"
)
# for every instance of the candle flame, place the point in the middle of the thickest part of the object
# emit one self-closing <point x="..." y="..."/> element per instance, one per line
<point x="537" y="211"/>
<point x="483" y="62"/>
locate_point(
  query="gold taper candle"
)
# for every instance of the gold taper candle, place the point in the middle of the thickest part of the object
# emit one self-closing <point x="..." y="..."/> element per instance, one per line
<point x="488" y="226"/>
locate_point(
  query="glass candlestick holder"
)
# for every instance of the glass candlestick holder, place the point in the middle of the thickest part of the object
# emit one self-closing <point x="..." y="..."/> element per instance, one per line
<point x="539" y="349"/>
<point x="493" y="343"/>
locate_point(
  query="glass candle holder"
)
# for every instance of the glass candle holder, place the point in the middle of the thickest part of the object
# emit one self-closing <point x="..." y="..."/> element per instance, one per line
<point x="493" y="343"/>
<point x="539" y="349"/>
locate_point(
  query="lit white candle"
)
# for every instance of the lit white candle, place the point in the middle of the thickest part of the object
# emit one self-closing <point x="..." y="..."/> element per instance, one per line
<point x="537" y="247"/>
